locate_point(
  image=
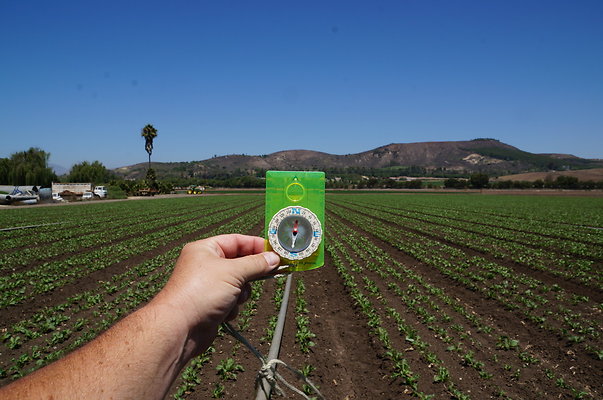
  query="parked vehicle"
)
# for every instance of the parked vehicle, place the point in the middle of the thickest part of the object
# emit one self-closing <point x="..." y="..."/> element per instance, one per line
<point x="100" y="191"/>
<point x="20" y="196"/>
<point x="57" y="197"/>
<point x="146" y="192"/>
<point x="73" y="191"/>
<point x="195" y="189"/>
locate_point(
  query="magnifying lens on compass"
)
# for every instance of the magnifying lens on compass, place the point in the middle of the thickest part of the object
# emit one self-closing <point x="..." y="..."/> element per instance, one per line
<point x="295" y="232"/>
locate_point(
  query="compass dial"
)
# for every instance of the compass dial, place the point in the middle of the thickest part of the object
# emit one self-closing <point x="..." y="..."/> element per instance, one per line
<point x="295" y="232"/>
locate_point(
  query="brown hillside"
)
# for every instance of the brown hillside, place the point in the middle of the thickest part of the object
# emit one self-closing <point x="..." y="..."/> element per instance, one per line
<point x="595" y="174"/>
<point x="452" y="156"/>
<point x="480" y="155"/>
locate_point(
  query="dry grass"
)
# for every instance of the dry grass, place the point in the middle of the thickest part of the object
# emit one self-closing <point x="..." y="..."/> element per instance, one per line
<point x="595" y="174"/>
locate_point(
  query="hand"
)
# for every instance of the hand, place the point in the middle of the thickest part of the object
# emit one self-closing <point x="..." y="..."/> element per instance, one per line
<point x="210" y="280"/>
<point x="141" y="355"/>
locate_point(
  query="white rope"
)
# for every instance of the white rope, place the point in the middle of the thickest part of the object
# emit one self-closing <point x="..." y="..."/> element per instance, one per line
<point x="268" y="369"/>
<point x="29" y="226"/>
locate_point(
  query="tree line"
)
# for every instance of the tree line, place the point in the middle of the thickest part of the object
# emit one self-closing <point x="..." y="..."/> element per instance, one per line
<point x="31" y="167"/>
<point x="482" y="181"/>
<point x="28" y="167"/>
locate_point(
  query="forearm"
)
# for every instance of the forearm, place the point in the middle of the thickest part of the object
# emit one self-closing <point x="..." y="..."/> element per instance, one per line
<point x="139" y="357"/>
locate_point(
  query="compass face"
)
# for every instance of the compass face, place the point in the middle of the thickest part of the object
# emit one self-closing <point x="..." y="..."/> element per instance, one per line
<point x="295" y="232"/>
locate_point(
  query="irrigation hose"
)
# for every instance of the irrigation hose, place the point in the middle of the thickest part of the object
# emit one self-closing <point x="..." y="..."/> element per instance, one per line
<point x="267" y="377"/>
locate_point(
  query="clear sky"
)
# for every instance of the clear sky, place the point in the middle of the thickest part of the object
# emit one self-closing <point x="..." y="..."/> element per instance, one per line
<point x="80" y="79"/>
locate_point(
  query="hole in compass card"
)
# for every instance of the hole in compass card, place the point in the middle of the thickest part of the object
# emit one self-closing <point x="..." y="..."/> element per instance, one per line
<point x="295" y="191"/>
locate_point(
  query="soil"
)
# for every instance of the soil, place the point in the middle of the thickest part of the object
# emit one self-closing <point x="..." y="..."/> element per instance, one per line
<point x="90" y="281"/>
<point x="349" y="361"/>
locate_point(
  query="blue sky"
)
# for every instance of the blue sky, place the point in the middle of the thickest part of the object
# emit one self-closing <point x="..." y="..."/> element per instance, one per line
<point x="80" y="79"/>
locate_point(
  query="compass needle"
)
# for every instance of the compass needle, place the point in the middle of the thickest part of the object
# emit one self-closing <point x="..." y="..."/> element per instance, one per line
<point x="297" y="232"/>
<point x="294" y="233"/>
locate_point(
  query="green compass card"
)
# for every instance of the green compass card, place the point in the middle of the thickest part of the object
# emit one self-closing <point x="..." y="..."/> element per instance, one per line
<point x="295" y="216"/>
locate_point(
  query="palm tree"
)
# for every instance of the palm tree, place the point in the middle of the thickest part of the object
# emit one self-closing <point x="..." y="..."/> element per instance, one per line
<point x="149" y="133"/>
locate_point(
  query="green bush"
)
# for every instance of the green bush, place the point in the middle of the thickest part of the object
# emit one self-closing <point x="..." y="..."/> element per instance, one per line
<point x="115" y="192"/>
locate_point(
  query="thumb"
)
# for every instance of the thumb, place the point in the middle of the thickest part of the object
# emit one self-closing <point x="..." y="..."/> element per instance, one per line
<point x="255" y="266"/>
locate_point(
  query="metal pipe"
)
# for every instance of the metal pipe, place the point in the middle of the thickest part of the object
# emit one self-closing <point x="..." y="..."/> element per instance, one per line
<point x="264" y="388"/>
<point x="29" y="226"/>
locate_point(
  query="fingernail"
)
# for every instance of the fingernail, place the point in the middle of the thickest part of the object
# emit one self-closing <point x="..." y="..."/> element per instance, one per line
<point x="271" y="258"/>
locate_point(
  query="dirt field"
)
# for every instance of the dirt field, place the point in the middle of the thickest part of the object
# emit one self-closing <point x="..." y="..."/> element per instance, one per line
<point x="473" y="293"/>
<point x="595" y="174"/>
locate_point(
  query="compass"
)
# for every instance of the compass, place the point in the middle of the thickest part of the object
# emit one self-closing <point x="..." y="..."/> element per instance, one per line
<point x="295" y="232"/>
<point x="294" y="221"/>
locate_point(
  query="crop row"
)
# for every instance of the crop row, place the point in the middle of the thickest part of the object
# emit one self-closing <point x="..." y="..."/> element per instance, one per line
<point x="81" y="239"/>
<point x="528" y="222"/>
<point x="398" y="364"/>
<point x="498" y="231"/>
<point x="572" y="213"/>
<point x="548" y="307"/>
<point x="501" y="246"/>
<point x="76" y="229"/>
<point x="463" y="338"/>
<point x="18" y="286"/>
<point x="53" y="331"/>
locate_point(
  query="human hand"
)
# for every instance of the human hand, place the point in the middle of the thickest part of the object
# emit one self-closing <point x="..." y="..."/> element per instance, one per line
<point x="209" y="282"/>
<point x="142" y="355"/>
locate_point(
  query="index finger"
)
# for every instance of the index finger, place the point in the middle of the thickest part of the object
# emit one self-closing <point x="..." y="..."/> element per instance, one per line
<point x="236" y="245"/>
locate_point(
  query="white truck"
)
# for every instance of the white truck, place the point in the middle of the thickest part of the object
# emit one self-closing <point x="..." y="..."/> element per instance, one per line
<point x="100" y="191"/>
<point x="85" y="190"/>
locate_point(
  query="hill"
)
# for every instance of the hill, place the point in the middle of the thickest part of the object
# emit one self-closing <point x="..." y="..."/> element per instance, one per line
<point x="444" y="158"/>
<point x="595" y="175"/>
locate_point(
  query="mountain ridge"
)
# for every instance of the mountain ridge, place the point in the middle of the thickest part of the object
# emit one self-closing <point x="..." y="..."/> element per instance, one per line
<point x="448" y="157"/>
